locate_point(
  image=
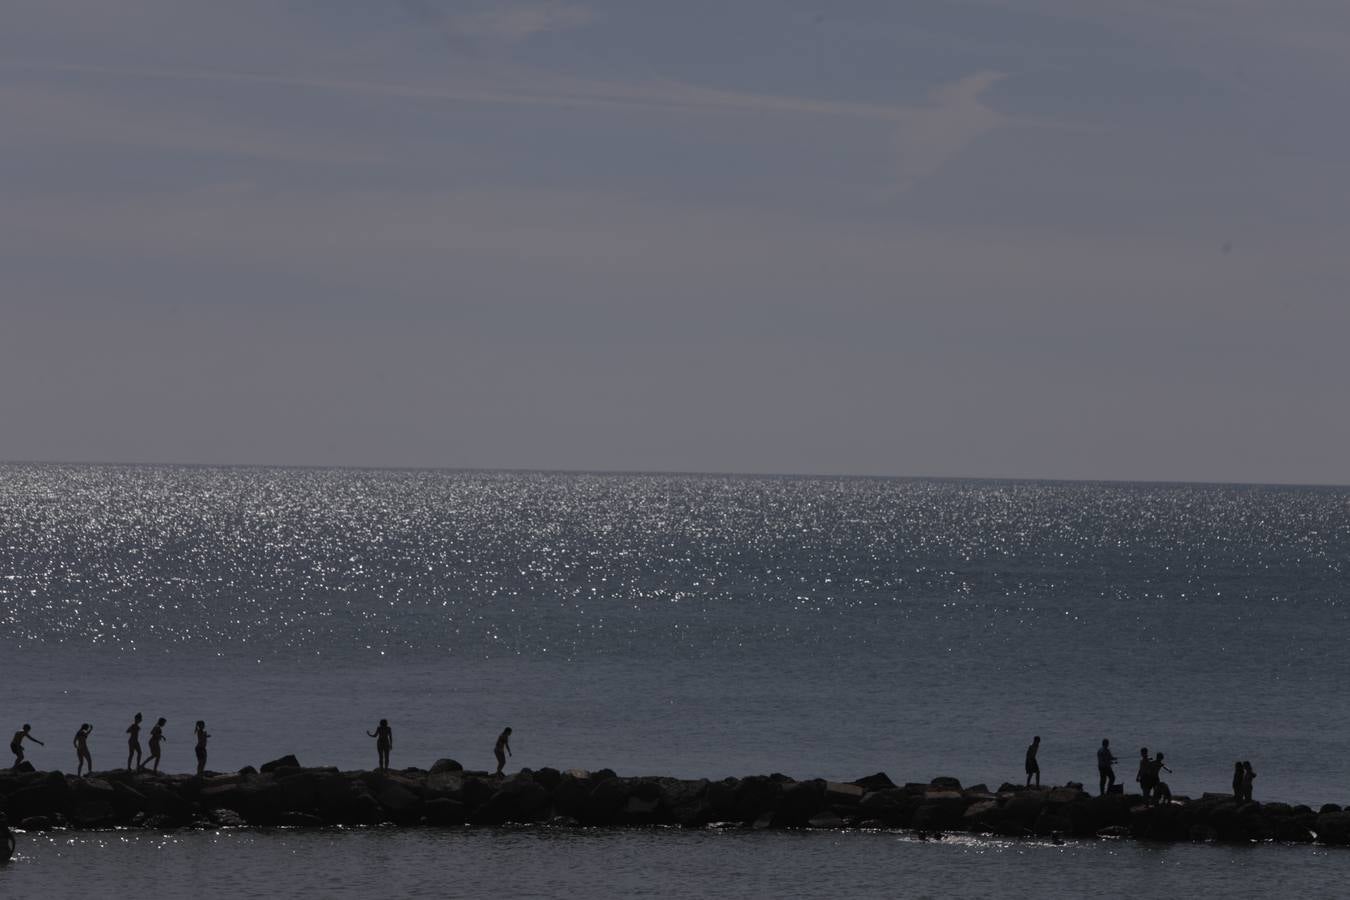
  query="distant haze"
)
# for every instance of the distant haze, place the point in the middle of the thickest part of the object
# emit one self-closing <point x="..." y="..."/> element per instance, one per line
<point x="1041" y="238"/>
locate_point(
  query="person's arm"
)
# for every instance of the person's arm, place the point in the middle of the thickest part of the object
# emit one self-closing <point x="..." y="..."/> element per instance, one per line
<point x="35" y="740"/>
<point x="370" y="734"/>
<point x="508" y="746"/>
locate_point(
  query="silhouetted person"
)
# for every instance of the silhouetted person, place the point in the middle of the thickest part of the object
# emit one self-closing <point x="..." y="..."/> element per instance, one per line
<point x="156" y="739"/>
<point x="384" y="741"/>
<point x="1238" y="787"/>
<point x="16" y="745"/>
<point x="134" y="741"/>
<point x="200" y="731"/>
<point x="6" y="840"/>
<point x="1104" y="763"/>
<point x="502" y="749"/>
<point x="81" y="742"/>
<point x="1248" y="776"/>
<point x="1159" y="787"/>
<point x="1145" y="776"/>
<point x="1033" y="767"/>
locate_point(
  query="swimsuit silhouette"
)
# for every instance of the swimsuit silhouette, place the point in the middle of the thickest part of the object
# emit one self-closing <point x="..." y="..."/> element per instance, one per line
<point x="134" y="741"/>
<point x="384" y="741"/>
<point x="81" y="742"/>
<point x="156" y="739"/>
<point x="1104" y="762"/>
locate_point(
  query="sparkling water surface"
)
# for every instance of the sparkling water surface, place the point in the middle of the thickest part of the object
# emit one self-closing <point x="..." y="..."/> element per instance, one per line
<point x="689" y="625"/>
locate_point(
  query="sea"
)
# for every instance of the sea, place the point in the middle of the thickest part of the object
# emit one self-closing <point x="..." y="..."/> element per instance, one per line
<point x="687" y="625"/>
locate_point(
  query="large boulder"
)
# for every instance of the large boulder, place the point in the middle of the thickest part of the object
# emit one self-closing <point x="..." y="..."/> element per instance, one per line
<point x="45" y="795"/>
<point x="284" y="762"/>
<point x="687" y="801"/>
<point x="878" y="782"/>
<point x="798" y="803"/>
<point x="92" y="803"/>
<point x="756" y="796"/>
<point x="399" y="803"/>
<point x="1333" y="828"/>
<point x="445" y="765"/>
<point x="893" y="806"/>
<point x="443" y="811"/>
<point x="606" y="802"/>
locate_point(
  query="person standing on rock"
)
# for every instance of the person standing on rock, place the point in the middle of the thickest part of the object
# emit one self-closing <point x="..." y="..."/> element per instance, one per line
<point x="16" y="745"/>
<point x="503" y="744"/>
<point x="384" y="741"/>
<point x="81" y="742"/>
<point x="1104" y="763"/>
<point x="1160" y="789"/>
<point x="134" y="741"/>
<point x="1145" y="776"/>
<point x="156" y="739"/>
<point x="1248" y="776"/>
<point x="200" y="731"/>
<point x="1033" y="767"/>
<point x="1238" y="772"/>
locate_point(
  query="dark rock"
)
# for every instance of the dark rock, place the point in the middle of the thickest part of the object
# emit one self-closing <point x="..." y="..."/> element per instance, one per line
<point x="285" y="762"/>
<point x="92" y="803"/>
<point x="825" y="820"/>
<point x="37" y="823"/>
<point x="1203" y="834"/>
<point x="248" y="770"/>
<point x="399" y="803"/>
<point x="1114" y="831"/>
<point x="547" y="778"/>
<point x="1333" y="828"/>
<point x="299" y="820"/>
<point x="445" y="765"/>
<point x="837" y="794"/>
<point x="686" y="801"/>
<point x="443" y="811"/>
<point x="43" y="796"/>
<point x="517" y="801"/>
<point x="1329" y="808"/>
<point x="946" y="783"/>
<point x="894" y="806"/>
<point x="446" y="783"/>
<point x="1292" y="832"/>
<point x="798" y="803"/>
<point x="877" y="782"/>
<point x="756" y="796"/>
<point x="605" y="802"/>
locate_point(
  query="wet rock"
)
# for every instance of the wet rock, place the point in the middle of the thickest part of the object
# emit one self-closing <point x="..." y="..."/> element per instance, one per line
<point x="798" y="803"/>
<point x="605" y="802"/>
<point x="1293" y="832"/>
<point x="839" y="794"/>
<point x="91" y="804"/>
<point x="1333" y="828"/>
<point x="248" y="770"/>
<point x="443" y="811"/>
<point x="299" y="820"/>
<point x="399" y="803"/>
<point x="37" y="823"/>
<point x="687" y="801"/>
<point x="756" y="796"/>
<point x="826" y="820"/>
<point x="227" y="818"/>
<point x="1114" y="831"/>
<point x="894" y="806"/>
<point x="445" y="765"/>
<point x="516" y="801"/>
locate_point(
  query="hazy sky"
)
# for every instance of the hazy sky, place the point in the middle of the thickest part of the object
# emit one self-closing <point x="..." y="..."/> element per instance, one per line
<point x="1047" y="238"/>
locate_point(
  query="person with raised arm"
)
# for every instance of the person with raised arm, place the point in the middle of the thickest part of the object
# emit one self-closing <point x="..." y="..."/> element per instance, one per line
<point x="16" y="745"/>
<point x="384" y="741"/>
<point x="81" y="742"/>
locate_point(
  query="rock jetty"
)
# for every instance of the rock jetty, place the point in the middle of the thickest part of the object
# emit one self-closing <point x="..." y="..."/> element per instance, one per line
<point x="283" y="793"/>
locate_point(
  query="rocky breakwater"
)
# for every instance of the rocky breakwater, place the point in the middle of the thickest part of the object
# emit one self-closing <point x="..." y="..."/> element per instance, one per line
<point x="283" y="793"/>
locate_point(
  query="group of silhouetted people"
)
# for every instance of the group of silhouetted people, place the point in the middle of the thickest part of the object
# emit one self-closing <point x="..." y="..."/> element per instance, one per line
<point x="1149" y="775"/>
<point x="383" y="734"/>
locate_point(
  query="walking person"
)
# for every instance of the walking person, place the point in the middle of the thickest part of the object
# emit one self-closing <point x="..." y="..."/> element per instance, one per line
<point x="1105" y="760"/>
<point x="384" y="741"/>
<point x="1033" y="767"/>
<point x="16" y="744"/>
<point x="503" y="744"/>
<point x="1248" y="776"/>
<point x="157" y="738"/>
<point x="81" y="742"/>
<point x="134" y="742"/>
<point x="200" y="731"/>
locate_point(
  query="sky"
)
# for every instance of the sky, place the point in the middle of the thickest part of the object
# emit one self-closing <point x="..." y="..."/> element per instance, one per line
<point x="986" y="238"/>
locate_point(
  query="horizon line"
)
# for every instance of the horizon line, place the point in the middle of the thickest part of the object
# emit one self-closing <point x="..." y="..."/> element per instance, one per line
<point x="685" y="473"/>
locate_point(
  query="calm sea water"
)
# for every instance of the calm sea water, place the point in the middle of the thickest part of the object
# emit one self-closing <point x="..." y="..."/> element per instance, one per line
<point x="691" y="625"/>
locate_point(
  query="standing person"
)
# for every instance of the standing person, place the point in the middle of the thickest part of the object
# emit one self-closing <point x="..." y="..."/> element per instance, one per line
<point x="156" y="739"/>
<point x="1238" y="788"/>
<point x="200" y="731"/>
<point x="1104" y="762"/>
<point x="16" y="744"/>
<point x="384" y="741"/>
<point x="1146" y="776"/>
<point x="1033" y="767"/>
<point x="503" y="744"/>
<point x="1248" y="776"/>
<point x="134" y="741"/>
<point x="81" y="742"/>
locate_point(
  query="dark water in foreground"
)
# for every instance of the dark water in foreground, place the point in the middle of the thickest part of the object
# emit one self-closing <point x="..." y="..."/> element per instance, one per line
<point x="696" y="626"/>
<point x="541" y="863"/>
